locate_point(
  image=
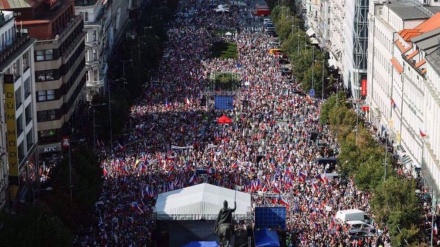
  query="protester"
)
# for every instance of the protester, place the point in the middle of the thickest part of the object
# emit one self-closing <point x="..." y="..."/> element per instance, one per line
<point x="266" y="150"/>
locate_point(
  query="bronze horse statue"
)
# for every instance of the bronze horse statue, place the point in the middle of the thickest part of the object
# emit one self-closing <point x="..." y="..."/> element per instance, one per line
<point x="225" y="234"/>
<point x="223" y="225"/>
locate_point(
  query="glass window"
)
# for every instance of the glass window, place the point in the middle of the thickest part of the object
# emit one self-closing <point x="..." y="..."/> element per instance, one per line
<point x="28" y="113"/>
<point x="40" y="55"/>
<point x="27" y="87"/>
<point x="29" y="139"/>
<point x="49" y="75"/>
<point x="42" y="95"/>
<point x="41" y="116"/>
<point x="18" y="99"/>
<point x="49" y="54"/>
<point x="25" y="61"/>
<point x="50" y="94"/>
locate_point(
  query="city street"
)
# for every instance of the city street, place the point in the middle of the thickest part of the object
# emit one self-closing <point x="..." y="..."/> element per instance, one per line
<point x="267" y="150"/>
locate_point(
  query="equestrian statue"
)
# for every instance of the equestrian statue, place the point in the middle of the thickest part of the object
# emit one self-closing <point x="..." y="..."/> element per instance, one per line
<point x="224" y="225"/>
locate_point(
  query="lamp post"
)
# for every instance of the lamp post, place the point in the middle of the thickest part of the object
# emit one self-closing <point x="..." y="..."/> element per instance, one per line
<point x="123" y="65"/>
<point x="94" y="125"/>
<point x="110" y="110"/>
<point x="322" y="80"/>
<point x="39" y="190"/>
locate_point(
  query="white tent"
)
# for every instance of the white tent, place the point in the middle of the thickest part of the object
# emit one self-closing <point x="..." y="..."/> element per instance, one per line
<point x="202" y="201"/>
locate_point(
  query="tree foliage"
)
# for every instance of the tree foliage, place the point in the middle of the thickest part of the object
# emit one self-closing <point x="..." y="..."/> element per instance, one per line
<point x="394" y="203"/>
<point x="35" y="226"/>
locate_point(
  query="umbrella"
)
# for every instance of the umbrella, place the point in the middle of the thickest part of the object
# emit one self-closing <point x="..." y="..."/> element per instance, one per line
<point x="228" y="33"/>
<point x="224" y="120"/>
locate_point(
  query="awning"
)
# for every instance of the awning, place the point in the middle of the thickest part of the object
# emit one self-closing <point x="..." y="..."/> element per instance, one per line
<point x="314" y="41"/>
<point x="397" y="65"/>
<point x="310" y="32"/>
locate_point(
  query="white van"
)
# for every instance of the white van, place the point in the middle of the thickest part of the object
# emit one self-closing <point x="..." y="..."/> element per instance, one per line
<point x="352" y="214"/>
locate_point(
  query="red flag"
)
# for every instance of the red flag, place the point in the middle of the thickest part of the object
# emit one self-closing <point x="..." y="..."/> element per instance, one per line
<point x="422" y="134"/>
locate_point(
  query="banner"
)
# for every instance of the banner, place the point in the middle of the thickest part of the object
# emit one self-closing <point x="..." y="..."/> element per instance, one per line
<point x="364" y="87"/>
<point x="181" y="148"/>
<point x="11" y="126"/>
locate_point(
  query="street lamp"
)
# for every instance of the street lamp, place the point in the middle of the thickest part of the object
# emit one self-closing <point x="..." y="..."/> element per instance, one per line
<point x="110" y="109"/>
<point x="38" y="190"/>
<point x="94" y="126"/>
<point x="123" y="65"/>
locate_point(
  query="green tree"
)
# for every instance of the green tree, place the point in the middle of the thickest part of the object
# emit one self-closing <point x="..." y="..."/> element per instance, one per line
<point x="35" y="226"/>
<point x="396" y="205"/>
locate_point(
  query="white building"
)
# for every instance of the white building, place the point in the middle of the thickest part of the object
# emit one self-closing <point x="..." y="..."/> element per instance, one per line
<point x="341" y="28"/>
<point x="105" y="23"/>
<point x="18" y="126"/>
<point x="95" y="22"/>
<point x="402" y="94"/>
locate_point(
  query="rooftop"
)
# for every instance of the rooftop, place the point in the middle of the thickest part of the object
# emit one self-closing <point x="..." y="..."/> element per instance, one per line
<point x="16" y="4"/>
<point x="428" y="41"/>
<point x="433" y="58"/>
<point x="425" y="27"/>
<point x="411" y="11"/>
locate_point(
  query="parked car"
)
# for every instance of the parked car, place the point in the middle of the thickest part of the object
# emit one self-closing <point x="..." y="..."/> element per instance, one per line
<point x="355" y="226"/>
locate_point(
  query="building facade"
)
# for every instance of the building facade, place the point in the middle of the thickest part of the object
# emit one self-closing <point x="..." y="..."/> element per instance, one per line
<point x="59" y="66"/>
<point x="341" y="28"/>
<point x="105" y="23"/>
<point x="18" y="116"/>
<point x="96" y="22"/>
<point x="402" y="97"/>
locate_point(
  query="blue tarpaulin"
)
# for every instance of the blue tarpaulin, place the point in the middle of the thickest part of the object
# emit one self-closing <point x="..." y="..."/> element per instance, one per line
<point x="266" y="238"/>
<point x="201" y="244"/>
<point x="224" y="102"/>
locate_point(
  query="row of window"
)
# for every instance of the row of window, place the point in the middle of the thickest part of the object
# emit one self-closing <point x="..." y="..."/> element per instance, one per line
<point x="54" y="54"/>
<point x="46" y="95"/>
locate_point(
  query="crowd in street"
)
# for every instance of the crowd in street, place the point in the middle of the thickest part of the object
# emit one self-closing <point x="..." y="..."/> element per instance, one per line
<point x="267" y="149"/>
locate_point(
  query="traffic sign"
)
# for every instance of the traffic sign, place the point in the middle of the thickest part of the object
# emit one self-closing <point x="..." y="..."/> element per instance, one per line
<point x="312" y="92"/>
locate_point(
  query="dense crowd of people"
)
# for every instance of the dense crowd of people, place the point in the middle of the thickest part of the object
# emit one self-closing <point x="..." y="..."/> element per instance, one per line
<point x="268" y="147"/>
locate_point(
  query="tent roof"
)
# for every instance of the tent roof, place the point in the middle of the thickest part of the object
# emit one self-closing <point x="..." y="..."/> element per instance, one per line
<point x="202" y="201"/>
<point x="224" y="120"/>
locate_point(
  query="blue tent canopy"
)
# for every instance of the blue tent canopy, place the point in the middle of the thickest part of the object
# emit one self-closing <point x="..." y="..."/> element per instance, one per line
<point x="266" y="238"/>
<point x="201" y="244"/>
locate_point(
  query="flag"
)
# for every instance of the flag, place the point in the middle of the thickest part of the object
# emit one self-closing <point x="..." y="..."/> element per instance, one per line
<point x="393" y="104"/>
<point x="191" y="180"/>
<point x="234" y="166"/>
<point x="422" y="133"/>
<point x="283" y="201"/>
<point x="104" y="171"/>
<point x="135" y="207"/>
<point x="322" y="178"/>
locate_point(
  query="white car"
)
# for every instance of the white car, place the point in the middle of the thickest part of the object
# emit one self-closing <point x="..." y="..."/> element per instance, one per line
<point x="357" y="226"/>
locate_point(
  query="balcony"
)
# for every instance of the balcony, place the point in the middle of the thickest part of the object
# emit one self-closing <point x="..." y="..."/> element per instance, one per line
<point x="19" y="41"/>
